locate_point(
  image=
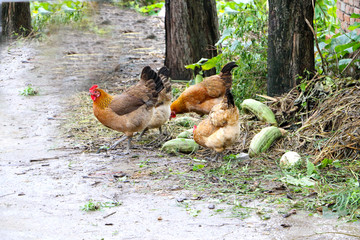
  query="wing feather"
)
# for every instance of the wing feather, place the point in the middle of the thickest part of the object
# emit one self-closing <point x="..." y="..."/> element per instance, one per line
<point x="125" y="103"/>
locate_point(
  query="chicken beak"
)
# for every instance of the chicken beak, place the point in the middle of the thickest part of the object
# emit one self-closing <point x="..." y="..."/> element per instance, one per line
<point x="172" y="115"/>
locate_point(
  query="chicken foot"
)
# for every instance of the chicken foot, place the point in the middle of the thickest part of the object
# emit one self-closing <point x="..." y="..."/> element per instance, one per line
<point x="146" y="129"/>
<point x="165" y="132"/>
<point x="218" y="156"/>
<point x="142" y="133"/>
<point x="117" y="142"/>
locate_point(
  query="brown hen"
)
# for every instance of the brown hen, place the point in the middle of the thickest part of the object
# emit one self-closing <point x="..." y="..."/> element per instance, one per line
<point x="201" y="97"/>
<point x="221" y="128"/>
<point x="130" y="111"/>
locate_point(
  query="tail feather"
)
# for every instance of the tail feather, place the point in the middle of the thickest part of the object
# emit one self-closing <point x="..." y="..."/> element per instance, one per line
<point x="164" y="71"/>
<point x="164" y="74"/>
<point x="230" y="98"/>
<point x="158" y="84"/>
<point x="149" y="74"/>
<point x="228" y="67"/>
<point x="226" y="75"/>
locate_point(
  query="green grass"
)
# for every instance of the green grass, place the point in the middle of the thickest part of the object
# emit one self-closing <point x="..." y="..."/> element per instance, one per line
<point x="29" y="91"/>
<point x="92" y="206"/>
<point x="330" y="186"/>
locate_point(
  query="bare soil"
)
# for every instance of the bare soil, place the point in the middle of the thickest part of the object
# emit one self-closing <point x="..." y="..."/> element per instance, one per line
<point x="47" y="176"/>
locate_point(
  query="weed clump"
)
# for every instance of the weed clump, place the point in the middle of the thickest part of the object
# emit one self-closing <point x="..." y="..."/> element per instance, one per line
<point x="29" y="91"/>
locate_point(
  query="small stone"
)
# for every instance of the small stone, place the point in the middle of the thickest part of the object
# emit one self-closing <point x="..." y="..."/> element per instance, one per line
<point x="151" y="36"/>
<point x="285" y="225"/>
<point x="286" y="215"/>
<point x="242" y="156"/>
<point x="196" y="198"/>
<point x="211" y="206"/>
<point x="160" y="218"/>
<point x="119" y="175"/>
<point x="106" y="22"/>
<point x="291" y="212"/>
<point x="181" y="199"/>
<point x="265" y="217"/>
<point x="117" y="68"/>
<point x="175" y="188"/>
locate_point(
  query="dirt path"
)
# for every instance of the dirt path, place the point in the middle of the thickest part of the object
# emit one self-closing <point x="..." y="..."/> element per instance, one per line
<point x="45" y="183"/>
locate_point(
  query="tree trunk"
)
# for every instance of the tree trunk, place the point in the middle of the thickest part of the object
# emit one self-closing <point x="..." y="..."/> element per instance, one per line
<point x="16" y="18"/>
<point x="191" y="33"/>
<point x="291" y="44"/>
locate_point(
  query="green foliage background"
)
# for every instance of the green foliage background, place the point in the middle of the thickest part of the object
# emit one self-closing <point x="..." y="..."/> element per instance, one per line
<point x="55" y="12"/>
<point x="243" y="27"/>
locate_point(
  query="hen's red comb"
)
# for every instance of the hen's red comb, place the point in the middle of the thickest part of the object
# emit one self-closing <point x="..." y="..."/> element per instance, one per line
<point x="93" y="87"/>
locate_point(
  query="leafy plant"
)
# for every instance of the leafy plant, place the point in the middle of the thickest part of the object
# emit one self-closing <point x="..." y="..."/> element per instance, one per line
<point x="302" y="181"/>
<point x="91" y="206"/>
<point x="243" y="27"/>
<point x="197" y="167"/>
<point x="191" y="211"/>
<point x="347" y="203"/>
<point x="204" y="64"/>
<point x="55" y="12"/>
<point x="240" y="211"/>
<point x="146" y="7"/>
<point x="335" y="47"/>
<point x="144" y="163"/>
<point x="152" y="9"/>
<point x="244" y="38"/>
<point x="95" y="206"/>
<point x="325" y="18"/>
<point x="29" y="91"/>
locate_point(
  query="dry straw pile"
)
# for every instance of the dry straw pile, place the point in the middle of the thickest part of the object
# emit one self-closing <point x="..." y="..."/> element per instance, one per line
<point x="323" y="120"/>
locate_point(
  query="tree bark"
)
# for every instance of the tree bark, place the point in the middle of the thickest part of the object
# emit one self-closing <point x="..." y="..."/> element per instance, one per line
<point x="290" y="45"/>
<point x="16" y="18"/>
<point x="191" y="33"/>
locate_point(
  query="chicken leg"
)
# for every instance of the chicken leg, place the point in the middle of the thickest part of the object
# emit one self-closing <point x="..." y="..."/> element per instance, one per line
<point x="117" y="142"/>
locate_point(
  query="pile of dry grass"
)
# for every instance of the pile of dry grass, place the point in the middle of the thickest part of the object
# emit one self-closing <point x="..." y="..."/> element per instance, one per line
<point x="322" y="121"/>
<point x="333" y="128"/>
